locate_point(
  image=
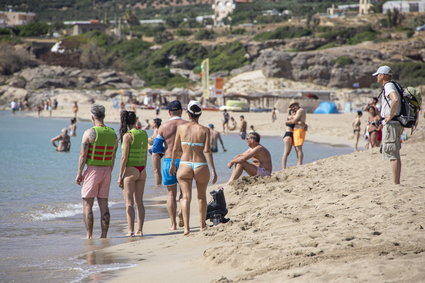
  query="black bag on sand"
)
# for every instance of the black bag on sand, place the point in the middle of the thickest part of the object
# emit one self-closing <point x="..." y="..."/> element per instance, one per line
<point x="216" y="209"/>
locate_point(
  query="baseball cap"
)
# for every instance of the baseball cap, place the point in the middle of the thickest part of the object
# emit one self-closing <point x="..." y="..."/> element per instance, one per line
<point x="385" y="70"/>
<point x="211" y="126"/>
<point x="64" y="130"/>
<point x="193" y="103"/>
<point x="174" y="105"/>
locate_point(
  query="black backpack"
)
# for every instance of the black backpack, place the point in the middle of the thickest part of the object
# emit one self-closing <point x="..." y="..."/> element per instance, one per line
<point x="410" y="107"/>
<point x="216" y="209"/>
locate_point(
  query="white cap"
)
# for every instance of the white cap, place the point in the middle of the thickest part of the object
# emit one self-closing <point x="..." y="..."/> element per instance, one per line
<point x="64" y="130"/>
<point x="192" y="103"/>
<point x="385" y="70"/>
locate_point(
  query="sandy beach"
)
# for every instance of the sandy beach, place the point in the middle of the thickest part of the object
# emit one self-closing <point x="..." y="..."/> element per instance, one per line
<point x="337" y="219"/>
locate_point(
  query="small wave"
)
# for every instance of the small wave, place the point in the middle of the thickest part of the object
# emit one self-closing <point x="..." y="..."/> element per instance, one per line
<point x="95" y="272"/>
<point x="51" y="212"/>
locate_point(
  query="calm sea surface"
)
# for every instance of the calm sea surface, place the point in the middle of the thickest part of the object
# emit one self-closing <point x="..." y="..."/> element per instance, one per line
<point x="41" y="225"/>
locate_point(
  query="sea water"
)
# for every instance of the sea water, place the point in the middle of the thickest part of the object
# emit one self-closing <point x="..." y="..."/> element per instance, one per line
<point x="41" y="224"/>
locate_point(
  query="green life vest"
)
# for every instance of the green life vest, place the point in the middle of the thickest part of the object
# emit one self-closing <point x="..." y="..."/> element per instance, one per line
<point x="101" y="151"/>
<point x="138" y="148"/>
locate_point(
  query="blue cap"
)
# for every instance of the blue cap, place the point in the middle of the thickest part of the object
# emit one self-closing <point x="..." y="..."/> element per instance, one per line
<point x="174" y="105"/>
<point x="211" y="126"/>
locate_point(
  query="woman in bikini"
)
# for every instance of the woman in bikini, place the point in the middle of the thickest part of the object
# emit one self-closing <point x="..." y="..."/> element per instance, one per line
<point x="132" y="176"/>
<point x="373" y="127"/>
<point x="288" y="139"/>
<point x="356" y="128"/>
<point x="193" y="143"/>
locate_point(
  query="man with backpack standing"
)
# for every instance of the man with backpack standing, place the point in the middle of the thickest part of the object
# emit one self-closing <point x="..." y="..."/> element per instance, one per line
<point x="390" y="110"/>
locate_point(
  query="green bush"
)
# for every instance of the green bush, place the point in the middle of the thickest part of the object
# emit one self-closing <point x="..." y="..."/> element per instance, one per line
<point x="129" y="49"/>
<point x="409" y="73"/>
<point x="204" y="34"/>
<point x="238" y="31"/>
<point x="183" y="32"/>
<point x="5" y="31"/>
<point x="361" y="37"/>
<point x="329" y="45"/>
<point x="282" y="33"/>
<point x="350" y="35"/>
<point x="227" y="57"/>
<point x="33" y="29"/>
<point x="344" y="60"/>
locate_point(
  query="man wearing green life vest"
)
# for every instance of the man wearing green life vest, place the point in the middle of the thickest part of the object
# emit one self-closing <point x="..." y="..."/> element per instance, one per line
<point x="98" y="148"/>
<point x="132" y="176"/>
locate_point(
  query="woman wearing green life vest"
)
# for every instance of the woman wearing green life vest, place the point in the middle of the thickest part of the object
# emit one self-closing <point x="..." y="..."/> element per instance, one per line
<point x="132" y="176"/>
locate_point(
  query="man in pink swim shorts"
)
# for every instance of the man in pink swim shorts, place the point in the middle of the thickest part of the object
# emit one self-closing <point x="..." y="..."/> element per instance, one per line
<point x="261" y="159"/>
<point x="98" y="149"/>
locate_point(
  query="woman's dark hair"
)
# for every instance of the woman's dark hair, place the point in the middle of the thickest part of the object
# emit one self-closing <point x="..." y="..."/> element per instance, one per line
<point x="157" y="122"/>
<point x="195" y="109"/>
<point x="360" y="113"/>
<point x="127" y="118"/>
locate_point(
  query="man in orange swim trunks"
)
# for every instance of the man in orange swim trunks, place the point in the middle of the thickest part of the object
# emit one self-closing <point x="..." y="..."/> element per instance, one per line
<point x="299" y="130"/>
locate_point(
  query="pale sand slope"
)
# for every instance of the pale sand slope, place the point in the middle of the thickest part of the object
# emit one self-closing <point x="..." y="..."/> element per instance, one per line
<point x="325" y="128"/>
<point x="338" y="219"/>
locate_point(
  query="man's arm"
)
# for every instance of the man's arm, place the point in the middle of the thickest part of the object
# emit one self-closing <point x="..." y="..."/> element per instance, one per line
<point x="393" y="106"/>
<point x="296" y="118"/>
<point x="53" y="141"/>
<point x="242" y="157"/>
<point x="221" y="141"/>
<point x="90" y="134"/>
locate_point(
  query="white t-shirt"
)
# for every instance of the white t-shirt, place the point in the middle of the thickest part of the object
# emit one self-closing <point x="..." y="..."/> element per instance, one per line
<point x="385" y="106"/>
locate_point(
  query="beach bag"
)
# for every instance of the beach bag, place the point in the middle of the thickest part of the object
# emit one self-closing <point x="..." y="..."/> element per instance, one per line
<point x="410" y="105"/>
<point x="216" y="209"/>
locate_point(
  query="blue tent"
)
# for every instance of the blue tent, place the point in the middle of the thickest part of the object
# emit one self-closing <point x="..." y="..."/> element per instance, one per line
<point x="326" y="107"/>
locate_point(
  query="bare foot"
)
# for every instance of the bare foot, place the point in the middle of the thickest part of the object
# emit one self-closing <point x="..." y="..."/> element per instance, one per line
<point x="204" y="228"/>
<point x="181" y="222"/>
<point x="130" y="234"/>
<point x="172" y="228"/>
<point x="139" y="234"/>
<point x="186" y="232"/>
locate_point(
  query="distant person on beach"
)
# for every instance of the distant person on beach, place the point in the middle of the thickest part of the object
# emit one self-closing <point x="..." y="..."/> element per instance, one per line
<point x="64" y="141"/>
<point x="13" y="106"/>
<point x="132" y="176"/>
<point x="288" y="138"/>
<point x="75" y="109"/>
<point x="214" y="137"/>
<point x="252" y="129"/>
<point x="226" y="117"/>
<point x="233" y="124"/>
<point x="147" y="125"/>
<point x="156" y="157"/>
<point x="98" y="151"/>
<point x="300" y="130"/>
<point x="163" y="144"/>
<point x="392" y="129"/>
<point x="261" y="160"/>
<point x="192" y="143"/>
<point x="244" y="125"/>
<point x="274" y="116"/>
<point x="356" y="129"/>
<point x="157" y="109"/>
<point x="55" y="104"/>
<point x="73" y="127"/>
<point x="373" y="127"/>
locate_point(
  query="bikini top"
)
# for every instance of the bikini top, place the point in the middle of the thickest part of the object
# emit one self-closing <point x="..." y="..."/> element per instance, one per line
<point x="292" y="126"/>
<point x="193" y="143"/>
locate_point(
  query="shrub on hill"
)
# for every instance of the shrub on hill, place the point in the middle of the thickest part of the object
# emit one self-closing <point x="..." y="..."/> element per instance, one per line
<point x="409" y="73"/>
<point x="204" y="34"/>
<point x="344" y="61"/>
<point x="183" y="32"/>
<point x="282" y="33"/>
<point x="227" y="57"/>
<point x="349" y="35"/>
<point x="33" y="29"/>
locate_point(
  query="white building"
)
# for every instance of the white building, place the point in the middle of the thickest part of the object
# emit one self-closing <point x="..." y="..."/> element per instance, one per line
<point x="364" y="7"/>
<point x="404" y="6"/>
<point x="11" y="18"/>
<point x="222" y="9"/>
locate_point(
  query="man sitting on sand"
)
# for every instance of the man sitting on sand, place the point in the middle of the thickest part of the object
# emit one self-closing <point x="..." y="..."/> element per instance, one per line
<point x="261" y="160"/>
<point x="64" y="141"/>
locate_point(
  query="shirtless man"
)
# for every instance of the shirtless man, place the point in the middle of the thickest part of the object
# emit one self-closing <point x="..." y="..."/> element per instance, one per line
<point x="64" y="141"/>
<point x="299" y="130"/>
<point x="261" y="160"/>
<point x="98" y="149"/>
<point x="163" y="144"/>
<point x="214" y="136"/>
<point x="244" y="125"/>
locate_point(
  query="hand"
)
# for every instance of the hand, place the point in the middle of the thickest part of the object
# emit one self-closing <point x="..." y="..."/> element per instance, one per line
<point x="229" y="165"/>
<point x="172" y="169"/>
<point x="79" y="179"/>
<point x="387" y="119"/>
<point x="121" y="183"/>
<point x="214" y="176"/>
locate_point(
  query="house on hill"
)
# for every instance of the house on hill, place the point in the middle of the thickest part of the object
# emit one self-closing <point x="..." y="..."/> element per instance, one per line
<point x="10" y="18"/>
<point x="404" y="6"/>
